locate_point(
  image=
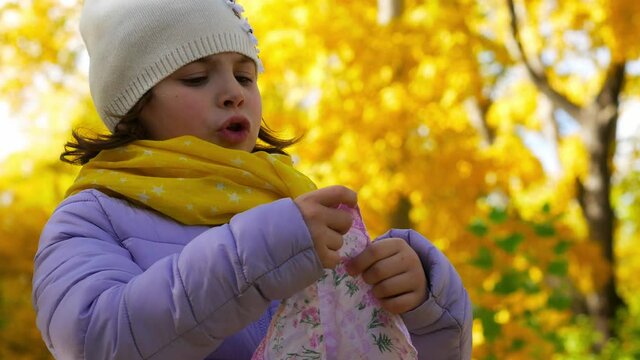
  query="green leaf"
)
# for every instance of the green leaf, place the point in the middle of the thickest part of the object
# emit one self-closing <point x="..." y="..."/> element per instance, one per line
<point x="510" y="282"/>
<point x="546" y="208"/>
<point x="490" y="328"/>
<point x="531" y="320"/>
<point x="484" y="260"/>
<point x="544" y="229"/>
<point x="559" y="301"/>
<point x="517" y="344"/>
<point x="558" y="267"/>
<point x="510" y="243"/>
<point x="561" y="247"/>
<point x="478" y="228"/>
<point x="498" y="216"/>
<point x="530" y="287"/>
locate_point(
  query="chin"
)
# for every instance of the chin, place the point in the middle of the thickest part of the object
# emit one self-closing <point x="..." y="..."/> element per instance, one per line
<point x="248" y="148"/>
<point x="241" y="147"/>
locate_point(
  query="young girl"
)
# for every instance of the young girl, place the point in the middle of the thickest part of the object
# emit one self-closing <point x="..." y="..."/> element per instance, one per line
<point x="187" y="224"/>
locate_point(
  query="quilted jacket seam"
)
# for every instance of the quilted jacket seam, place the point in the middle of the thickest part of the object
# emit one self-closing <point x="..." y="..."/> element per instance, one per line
<point x="213" y="312"/>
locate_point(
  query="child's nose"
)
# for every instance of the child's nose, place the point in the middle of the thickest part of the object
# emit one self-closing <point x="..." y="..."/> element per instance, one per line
<point x="230" y="94"/>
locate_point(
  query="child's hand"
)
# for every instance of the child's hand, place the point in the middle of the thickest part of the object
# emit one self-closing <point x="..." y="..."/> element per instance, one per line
<point x="395" y="271"/>
<point x="326" y="223"/>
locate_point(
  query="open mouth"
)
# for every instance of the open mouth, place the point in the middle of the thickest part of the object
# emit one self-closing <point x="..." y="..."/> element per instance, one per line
<point x="235" y="130"/>
<point x="236" y="127"/>
<point x="236" y="124"/>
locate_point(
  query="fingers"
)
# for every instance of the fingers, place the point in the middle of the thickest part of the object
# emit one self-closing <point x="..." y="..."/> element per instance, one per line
<point x="337" y="220"/>
<point x="382" y="270"/>
<point x="325" y="222"/>
<point x="329" y="258"/>
<point x="394" y="270"/>
<point x="401" y="293"/>
<point x="331" y="239"/>
<point x="394" y="286"/>
<point x="374" y="253"/>
<point x="332" y="196"/>
<point x="327" y="243"/>
<point x="403" y="303"/>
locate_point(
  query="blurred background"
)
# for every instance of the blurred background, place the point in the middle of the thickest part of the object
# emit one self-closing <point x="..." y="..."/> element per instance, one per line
<point x="506" y="131"/>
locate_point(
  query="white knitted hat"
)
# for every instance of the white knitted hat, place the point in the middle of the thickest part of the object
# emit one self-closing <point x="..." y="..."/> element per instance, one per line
<point x="133" y="44"/>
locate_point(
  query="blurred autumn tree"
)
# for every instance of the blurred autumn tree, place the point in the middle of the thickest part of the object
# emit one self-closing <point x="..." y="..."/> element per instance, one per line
<point x="41" y="85"/>
<point x="425" y="108"/>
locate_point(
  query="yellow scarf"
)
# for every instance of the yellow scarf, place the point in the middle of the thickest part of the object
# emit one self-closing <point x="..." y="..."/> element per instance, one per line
<point x="190" y="180"/>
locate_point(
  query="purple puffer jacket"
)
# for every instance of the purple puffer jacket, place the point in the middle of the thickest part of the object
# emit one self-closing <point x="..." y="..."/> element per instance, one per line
<point x="114" y="281"/>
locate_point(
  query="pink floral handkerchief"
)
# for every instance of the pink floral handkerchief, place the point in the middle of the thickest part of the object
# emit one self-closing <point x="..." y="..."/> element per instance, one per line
<point x="337" y="317"/>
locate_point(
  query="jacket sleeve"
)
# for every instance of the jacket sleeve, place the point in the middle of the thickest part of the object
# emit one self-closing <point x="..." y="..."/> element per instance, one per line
<point x="440" y="328"/>
<point x="94" y="302"/>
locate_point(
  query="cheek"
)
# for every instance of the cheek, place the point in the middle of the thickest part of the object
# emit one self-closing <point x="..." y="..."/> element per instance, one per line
<point x="256" y="109"/>
<point x="185" y="114"/>
<point x="186" y="106"/>
<point x="170" y="116"/>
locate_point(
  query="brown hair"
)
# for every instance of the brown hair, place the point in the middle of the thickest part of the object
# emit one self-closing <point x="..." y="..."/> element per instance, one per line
<point x="85" y="147"/>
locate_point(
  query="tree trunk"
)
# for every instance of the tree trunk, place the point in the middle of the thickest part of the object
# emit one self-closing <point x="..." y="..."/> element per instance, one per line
<point x="389" y="10"/>
<point x="598" y="122"/>
<point x="400" y="217"/>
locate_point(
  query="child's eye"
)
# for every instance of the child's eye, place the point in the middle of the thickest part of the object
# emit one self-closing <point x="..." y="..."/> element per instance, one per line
<point x="195" y="81"/>
<point x="244" y="80"/>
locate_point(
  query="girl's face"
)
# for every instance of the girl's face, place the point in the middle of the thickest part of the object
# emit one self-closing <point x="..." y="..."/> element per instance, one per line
<point x="215" y="98"/>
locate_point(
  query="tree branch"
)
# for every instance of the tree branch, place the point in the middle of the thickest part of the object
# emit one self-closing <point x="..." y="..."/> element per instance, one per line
<point x="537" y="73"/>
<point x="609" y="97"/>
<point x="389" y="10"/>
